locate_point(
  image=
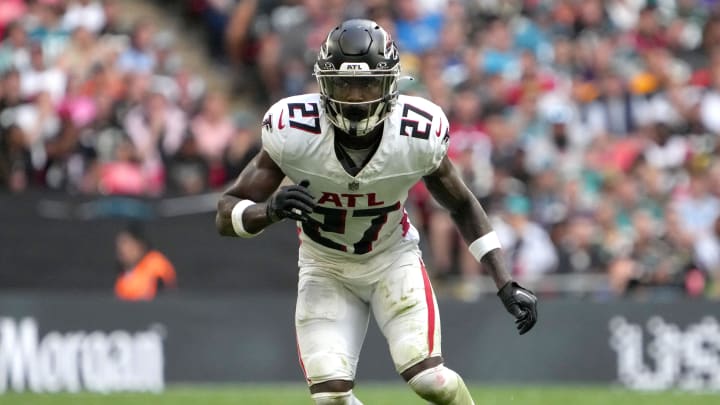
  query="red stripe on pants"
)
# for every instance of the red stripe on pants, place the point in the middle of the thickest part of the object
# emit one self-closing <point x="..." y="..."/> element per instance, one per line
<point x="430" y="308"/>
<point x="302" y="365"/>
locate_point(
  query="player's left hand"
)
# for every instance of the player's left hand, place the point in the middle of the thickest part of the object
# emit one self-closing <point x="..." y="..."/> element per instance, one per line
<point x="521" y="303"/>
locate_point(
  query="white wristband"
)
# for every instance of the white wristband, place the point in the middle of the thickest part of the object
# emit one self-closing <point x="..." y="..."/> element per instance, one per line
<point x="484" y="244"/>
<point x="236" y="217"/>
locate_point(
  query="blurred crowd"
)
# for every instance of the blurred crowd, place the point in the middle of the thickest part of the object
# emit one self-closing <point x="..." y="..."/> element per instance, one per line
<point x="588" y="129"/>
<point x="92" y="102"/>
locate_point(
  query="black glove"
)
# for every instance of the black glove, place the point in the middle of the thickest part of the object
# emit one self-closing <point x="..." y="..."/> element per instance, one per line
<point x="521" y="303"/>
<point x="294" y="202"/>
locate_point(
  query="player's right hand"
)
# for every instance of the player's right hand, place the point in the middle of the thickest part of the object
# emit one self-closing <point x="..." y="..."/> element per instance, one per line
<point x="294" y="202"/>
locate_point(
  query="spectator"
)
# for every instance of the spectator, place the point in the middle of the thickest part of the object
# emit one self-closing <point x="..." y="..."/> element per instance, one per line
<point x="132" y="92"/>
<point x="88" y="14"/>
<point x="498" y="54"/>
<point x="10" y="92"/>
<point x="144" y="271"/>
<point x="157" y="129"/>
<point x="245" y="144"/>
<point x="697" y="207"/>
<point x="648" y="32"/>
<point x="106" y="81"/>
<point x="35" y="125"/>
<point x="580" y="247"/>
<point x="616" y="112"/>
<point x="216" y="14"/>
<point x="546" y="196"/>
<point x="44" y="28"/>
<point x="453" y="49"/>
<point x="707" y="255"/>
<point x="416" y="29"/>
<point x="190" y="90"/>
<point x="82" y="54"/>
<point x="122" y="173"/>
<point x="113" y="26"/>
<point x="212" y="131"/>
<point x="187" y="171"/>
<point x="527" y="246"/>
<point x="664" y="150"/>
<point x="711" y="99"/>
<point x="99" y="146"/>
<point x="15" y="49"/>
<point x="653" y="265"/>
<point x="11" y="11"/>
<point x="40" y="76"/>
<point x="139" y="56"/>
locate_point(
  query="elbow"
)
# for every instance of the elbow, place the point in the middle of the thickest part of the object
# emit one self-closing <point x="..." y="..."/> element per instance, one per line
<point x="219" y="224"/>
<point x="223" y="221"/>
<point x="224" y="227"/>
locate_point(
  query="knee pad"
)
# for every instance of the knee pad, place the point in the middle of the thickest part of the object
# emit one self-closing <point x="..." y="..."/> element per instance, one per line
<point x="441" y="386"/>
<point x="335" y="398"/>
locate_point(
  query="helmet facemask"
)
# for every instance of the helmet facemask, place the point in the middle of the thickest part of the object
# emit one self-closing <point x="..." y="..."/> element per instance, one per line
<point x="357" y="100"/>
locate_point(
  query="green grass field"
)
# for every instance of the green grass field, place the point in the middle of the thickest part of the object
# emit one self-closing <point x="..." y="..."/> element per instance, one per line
<point x="369" y="394"/>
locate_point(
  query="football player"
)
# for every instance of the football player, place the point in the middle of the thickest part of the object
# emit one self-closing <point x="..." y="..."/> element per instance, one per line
<point x="353" y="151"/>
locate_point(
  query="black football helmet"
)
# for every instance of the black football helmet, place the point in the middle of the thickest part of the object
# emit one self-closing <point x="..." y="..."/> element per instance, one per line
<point x="357" y="70"/>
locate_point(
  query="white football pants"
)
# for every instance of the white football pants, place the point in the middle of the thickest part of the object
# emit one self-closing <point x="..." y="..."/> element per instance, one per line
<point x="333" y="308"/>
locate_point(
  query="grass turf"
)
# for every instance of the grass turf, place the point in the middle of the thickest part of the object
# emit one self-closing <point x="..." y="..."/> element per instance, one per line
<point x="369" y="394"/>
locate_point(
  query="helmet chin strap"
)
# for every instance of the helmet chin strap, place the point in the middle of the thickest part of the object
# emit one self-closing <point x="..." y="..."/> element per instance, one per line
<point x="352" y="140"/>
<point x="364" y="126"/>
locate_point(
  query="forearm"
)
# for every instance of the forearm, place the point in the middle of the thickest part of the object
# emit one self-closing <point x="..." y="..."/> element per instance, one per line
<point x="448" y="188"/>
<point x="242" y="209"/>
<point x="472" y="222"/>
<point x="254" y="217"/>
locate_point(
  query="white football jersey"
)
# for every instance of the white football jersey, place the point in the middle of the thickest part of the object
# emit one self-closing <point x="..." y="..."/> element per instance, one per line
<point x="356" y="216"/>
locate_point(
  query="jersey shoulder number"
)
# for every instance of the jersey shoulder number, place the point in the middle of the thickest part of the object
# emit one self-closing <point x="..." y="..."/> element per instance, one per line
<point x="289" y="117"/>
<point x="425" y="121"/>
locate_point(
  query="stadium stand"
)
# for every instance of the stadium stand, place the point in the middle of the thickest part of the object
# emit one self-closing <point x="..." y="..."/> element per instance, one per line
<point x="588" y="129"/>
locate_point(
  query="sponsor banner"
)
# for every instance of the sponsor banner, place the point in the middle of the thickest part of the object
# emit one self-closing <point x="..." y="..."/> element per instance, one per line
<point x="73" y="342"/>
<point x="79" y="360"/>
<point x="665" y="355"/>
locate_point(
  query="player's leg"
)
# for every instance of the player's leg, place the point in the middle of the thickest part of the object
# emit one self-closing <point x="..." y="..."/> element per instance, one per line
<point x="405" y="308"/>
<point x="330" y="323"/>
<point x="434" y="382"/>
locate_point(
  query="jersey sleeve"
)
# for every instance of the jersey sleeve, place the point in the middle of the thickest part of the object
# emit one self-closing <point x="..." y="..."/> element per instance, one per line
<point x="273" y="138"/>
<point x="439" y="139"/>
